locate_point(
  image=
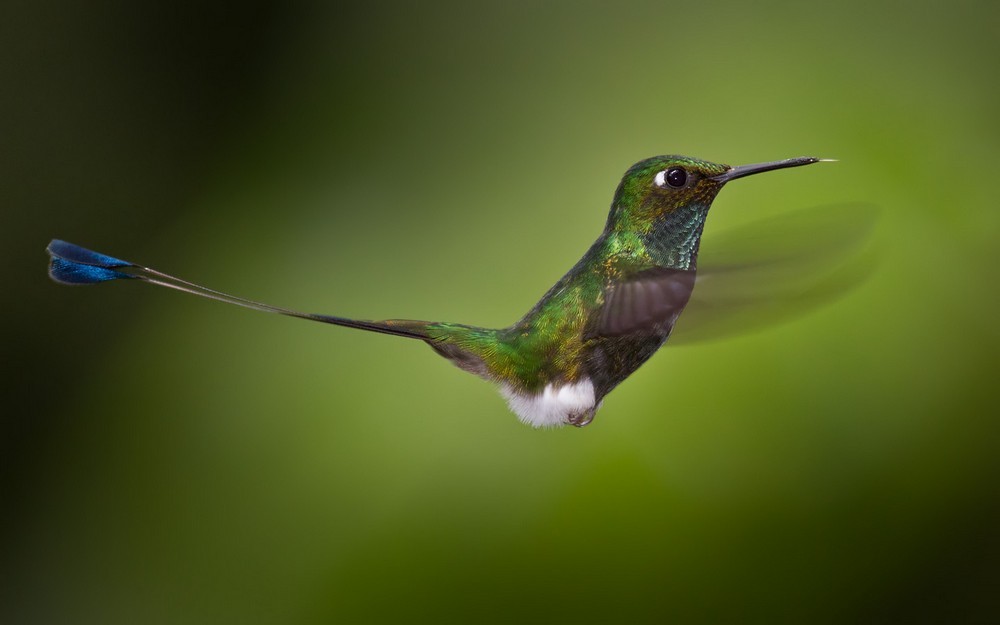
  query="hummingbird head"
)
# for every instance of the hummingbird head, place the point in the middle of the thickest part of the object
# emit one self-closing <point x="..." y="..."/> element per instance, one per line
<point x="676" y="188"/>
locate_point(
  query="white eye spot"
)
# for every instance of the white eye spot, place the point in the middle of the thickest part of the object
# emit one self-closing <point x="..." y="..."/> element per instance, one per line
<point x="661" y="178"/>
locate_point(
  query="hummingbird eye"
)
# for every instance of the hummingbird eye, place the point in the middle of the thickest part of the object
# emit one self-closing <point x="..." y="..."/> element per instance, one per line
<point x="674" y="177"/>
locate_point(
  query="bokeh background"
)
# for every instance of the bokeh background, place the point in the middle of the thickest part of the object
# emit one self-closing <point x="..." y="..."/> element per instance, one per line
<point x="172" y="460"/>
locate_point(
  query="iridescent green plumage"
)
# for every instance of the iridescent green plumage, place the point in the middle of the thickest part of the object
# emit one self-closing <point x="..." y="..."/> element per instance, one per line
<point x="559" y="341"/>
<point x="588" y="333"/>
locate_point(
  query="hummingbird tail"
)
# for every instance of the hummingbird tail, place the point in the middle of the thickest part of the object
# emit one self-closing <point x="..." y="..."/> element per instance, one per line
<point x="75" y="265"/>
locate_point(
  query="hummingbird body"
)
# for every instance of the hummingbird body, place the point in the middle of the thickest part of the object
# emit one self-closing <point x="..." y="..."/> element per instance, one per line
<point x="607" y="315"/>
<point x="596" y="326"/>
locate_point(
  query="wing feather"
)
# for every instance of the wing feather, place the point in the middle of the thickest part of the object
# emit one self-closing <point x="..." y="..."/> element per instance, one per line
<point x="647" y="302"/>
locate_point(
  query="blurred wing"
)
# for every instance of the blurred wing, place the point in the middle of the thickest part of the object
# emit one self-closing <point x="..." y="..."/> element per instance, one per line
<point x="645" y="302"/>
<point x="775" y="269"/>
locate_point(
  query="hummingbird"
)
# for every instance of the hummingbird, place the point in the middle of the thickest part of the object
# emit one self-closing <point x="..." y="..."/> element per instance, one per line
<point x="596" y="326"/>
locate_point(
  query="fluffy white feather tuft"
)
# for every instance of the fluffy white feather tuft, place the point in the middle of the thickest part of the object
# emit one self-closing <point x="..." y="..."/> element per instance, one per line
<point x="553" y="406"/>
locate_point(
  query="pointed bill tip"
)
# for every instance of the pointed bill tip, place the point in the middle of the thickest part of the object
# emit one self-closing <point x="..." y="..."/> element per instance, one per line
<point x="748" y="170"/>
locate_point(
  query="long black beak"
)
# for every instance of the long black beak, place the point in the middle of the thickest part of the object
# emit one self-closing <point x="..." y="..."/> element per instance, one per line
<point x="749" y="170"/>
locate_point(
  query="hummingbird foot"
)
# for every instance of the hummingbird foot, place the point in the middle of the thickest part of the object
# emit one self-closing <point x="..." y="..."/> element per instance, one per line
<point x="581" y="419"/>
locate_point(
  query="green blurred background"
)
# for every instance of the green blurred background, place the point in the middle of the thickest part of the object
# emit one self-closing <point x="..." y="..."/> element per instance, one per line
<point x="172" y="460"/>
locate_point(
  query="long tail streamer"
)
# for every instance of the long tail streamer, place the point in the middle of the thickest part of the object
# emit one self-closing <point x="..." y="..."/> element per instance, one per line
<point x="75" y="265"/>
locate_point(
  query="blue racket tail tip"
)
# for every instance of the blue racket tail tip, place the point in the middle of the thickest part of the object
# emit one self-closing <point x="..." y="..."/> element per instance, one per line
<point x="72" y="264"/>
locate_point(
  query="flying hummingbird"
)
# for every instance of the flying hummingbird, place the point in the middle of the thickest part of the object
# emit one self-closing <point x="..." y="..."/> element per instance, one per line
<point x="589" y="332"/>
